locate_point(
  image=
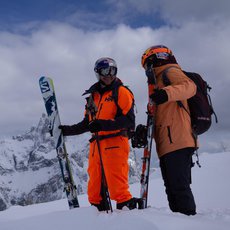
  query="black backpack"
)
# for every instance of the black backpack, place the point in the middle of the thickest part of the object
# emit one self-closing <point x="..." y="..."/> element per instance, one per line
<point x="200" y="104"/>
<point x="119" y="111"/>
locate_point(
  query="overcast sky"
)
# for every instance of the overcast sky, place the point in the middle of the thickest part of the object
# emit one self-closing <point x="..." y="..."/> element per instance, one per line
<point x="63" y="39"/>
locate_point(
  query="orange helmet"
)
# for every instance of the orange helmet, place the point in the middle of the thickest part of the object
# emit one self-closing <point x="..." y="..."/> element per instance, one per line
<point x="161" y="52"/>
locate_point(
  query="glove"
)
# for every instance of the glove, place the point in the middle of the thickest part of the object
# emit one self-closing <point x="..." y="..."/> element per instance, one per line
<point x="159" y="96"/>
<point x="95" y="126"/>
<point x="66" y="130"/>
<point x="139" y="138"/>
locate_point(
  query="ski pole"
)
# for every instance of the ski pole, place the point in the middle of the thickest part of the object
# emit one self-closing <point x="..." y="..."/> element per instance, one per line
<point x="92" y="109"/>
<point x="146" y="160"/>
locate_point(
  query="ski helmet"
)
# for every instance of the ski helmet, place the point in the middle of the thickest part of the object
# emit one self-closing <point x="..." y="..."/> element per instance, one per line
<point x="159" y="52"/>
<point x="105" y="67"/>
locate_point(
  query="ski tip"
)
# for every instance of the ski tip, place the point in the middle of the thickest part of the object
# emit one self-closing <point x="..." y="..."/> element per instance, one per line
<point x="46" y="84"/>
<point x="42" y="78"/>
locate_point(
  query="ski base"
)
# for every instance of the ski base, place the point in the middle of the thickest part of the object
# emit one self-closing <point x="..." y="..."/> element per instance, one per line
<point x="49" y="97"/>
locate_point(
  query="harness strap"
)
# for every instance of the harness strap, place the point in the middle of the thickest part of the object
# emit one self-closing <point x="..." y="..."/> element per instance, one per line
<point x="194" y="135"/>
<point x="123" y="133"/>
<point x="167" y="82"/>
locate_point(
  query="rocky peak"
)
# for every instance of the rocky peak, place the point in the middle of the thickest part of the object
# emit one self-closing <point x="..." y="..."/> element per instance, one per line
<point x="30" y="171"/>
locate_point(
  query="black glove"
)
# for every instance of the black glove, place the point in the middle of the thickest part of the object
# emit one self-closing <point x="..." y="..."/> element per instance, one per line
<point x="159" y="96"/>
<point x="139" y="138"/>
<point x="95" y="126"/>
<point x="67" y="130"/>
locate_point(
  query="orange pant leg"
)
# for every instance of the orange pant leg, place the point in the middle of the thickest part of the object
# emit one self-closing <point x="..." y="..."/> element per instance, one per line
<point x="115" y="152"/>
<point x="115" y="160"/>
<point x="94" y="172"/>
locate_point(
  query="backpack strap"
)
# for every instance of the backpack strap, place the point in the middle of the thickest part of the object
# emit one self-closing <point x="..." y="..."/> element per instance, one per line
<point x="115" y="97"/>
<point x="167" y="82"/>
<point x="210" y="102"/>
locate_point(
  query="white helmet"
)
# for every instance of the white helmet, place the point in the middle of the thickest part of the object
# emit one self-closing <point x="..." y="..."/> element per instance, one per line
<point x="105" y="67"/>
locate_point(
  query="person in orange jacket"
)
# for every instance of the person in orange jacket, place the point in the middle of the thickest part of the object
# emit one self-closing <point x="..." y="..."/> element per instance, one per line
<point x="111" y="123"/>
<point x="174" y="138"/>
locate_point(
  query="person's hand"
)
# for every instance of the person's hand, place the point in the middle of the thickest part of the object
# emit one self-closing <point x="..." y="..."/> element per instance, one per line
<point x="66" y="129"/>
<point x="95" y="126"/>
<point x="159" y="96"/>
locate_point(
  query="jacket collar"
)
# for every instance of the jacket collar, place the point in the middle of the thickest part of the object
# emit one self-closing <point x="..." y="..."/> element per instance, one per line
<point x="97" y="88"/>
<point x="158" y="70"/>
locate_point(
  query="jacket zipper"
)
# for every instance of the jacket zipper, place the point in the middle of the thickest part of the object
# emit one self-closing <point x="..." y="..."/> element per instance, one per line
<point x="169" y="134"/>
<point x="98" y="113"/>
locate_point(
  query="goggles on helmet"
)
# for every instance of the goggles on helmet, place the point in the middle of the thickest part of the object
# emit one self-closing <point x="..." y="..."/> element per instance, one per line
<point x="105" y="67"/>
<point x="148" y="63"/>
<point x="161" y="52"/>
<point x="107" y="71"/>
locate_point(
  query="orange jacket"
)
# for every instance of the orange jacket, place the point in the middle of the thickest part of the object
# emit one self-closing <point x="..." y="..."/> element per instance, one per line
<point x="173" y="124"/>
<point x="113" y="117"/>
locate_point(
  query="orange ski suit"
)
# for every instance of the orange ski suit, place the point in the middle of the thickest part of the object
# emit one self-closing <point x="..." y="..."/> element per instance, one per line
<point x="114" y="150"/>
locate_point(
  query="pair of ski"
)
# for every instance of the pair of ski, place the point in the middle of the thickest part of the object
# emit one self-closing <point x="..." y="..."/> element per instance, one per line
<point x="49" y="97"/>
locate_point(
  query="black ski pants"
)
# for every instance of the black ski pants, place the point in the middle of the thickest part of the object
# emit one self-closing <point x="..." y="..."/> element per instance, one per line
<point x="176" y="172"/>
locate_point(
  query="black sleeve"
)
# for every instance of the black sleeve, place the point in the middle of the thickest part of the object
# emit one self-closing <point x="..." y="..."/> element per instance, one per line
<point x="121" y="122"/>
<point x="78" y="128"/>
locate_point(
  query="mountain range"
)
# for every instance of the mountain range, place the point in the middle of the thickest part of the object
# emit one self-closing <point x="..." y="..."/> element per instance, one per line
<point x="29" y="168"/>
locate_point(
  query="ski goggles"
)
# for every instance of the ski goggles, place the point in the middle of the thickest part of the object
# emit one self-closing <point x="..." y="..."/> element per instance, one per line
<point x="107" y="71"/>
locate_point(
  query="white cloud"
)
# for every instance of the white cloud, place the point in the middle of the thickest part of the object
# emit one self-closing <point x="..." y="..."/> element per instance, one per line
<point x="183" y="11"/>
<point x="176" y="12"/>
<point x="68" y="54"/>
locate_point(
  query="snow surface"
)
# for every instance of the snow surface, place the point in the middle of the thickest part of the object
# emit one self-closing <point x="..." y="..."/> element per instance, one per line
<point x="211" y="190"/>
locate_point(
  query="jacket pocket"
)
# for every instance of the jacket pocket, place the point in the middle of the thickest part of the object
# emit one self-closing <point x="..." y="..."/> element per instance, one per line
<point x="112" y="147"/>
<point x="164" y="135"/>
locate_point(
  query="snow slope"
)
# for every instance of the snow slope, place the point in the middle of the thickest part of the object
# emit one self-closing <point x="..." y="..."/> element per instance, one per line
<point x="211" y="189"/>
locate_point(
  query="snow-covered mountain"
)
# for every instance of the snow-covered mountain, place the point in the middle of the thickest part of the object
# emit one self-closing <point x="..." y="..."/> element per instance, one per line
<point x="211" y="190"/>
<point x="29" y="169"/>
